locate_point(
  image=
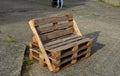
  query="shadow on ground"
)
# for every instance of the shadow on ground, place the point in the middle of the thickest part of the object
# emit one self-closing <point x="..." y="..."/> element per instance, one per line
<point x="96" y="45"/>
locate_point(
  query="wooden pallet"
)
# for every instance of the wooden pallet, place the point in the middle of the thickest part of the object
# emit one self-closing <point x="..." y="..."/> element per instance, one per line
<point x="59" y="61"/>
<point x="58" y="42"/>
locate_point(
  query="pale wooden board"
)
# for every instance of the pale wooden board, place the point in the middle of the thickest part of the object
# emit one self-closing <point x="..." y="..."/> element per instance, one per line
<point x="40" y="45"/>
<point x="75" y="26"/>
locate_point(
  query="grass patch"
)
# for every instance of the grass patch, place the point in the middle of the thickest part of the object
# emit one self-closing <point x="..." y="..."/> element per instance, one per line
<point x="26" y="62"/>
<point x="117" y="6"/>
<point x="95" y="14"/>
<point x="26" y="66"/>
<point x="100" y="0"/>
<point x="10" y="39"/>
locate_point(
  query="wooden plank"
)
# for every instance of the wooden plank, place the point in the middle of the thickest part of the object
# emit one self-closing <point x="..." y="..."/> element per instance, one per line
<point x="31" y="55"/>
<point x="88" y="52"/>
<point x="52" y="28"/>
<point x="64" y="25"/>
<point x="63" y="55"/>
<point x="76" y="28"/>
<point x="69" y="45"/>
<point x="61" y="37"/>
<point x="56" y="34"/>
<point x="37" y="58"/>
<point x="62" y="43"/>
<point x="53" y="19"/>
<point x="56" y="60"/>
<point x="66" y="54"/>
<point x="46" y="29"/>
<point x="75" y="53"/>
<point x="60" y="40"/>
<point x="69" y="59"/>
<point x="36" y="51"/>
<point x="83" y="47"/>
<point x="34" y="44"/>
<point x="41" y="47"/>
<point x="83" y="53"/>
<point x="66" y="60"/>
<point x="33" y="38"/>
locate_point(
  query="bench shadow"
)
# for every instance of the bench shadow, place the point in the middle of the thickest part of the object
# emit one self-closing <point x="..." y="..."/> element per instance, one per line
<point x="95" y="45"/>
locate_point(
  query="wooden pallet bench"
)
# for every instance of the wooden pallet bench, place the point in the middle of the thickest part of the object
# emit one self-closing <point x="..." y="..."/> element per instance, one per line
<point x="57" y="41"/>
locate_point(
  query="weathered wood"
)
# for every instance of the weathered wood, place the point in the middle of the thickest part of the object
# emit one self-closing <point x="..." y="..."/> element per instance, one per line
<point x="38" y="56"/>
<point x="66" y="60"/>
<point x="53" y="19"/>
<point x="57" y="61"/>
<point x="88" y="52"/>
<point x="69" y="45"/>
<point x="32" y="25"/>
<point x="31" y="55"/>
<point x="76" y="28"/>
<point x="62" y="55"/>
<point x="54" y="27"/>
<point x="83" y="53"/>
<point x="56" y="34"/>
<point x="34" y="39"/>
<point x="60" y="40"/>
<point x="33" y="44"/>
<point x="63" y="43"/>
<point x="75" y="53"/>
<point x="66" y="54"/>
<point x="83" y="47"/>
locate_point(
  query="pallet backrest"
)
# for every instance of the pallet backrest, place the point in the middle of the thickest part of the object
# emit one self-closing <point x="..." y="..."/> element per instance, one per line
<point x="56" y="27"/>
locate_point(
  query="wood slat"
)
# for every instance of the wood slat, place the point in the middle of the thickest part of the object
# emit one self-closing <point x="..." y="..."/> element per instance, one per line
<point x="35" y="57"/>
<point x="56" y="34"/>
<point x="63" y="43"/>
<point x="56" y="27"/>
<point x="70" y="52"/>
<point x="53" y="19"/>
<point x="83" y="47"/>
<point x="36" y="51"/>
<point x="60" y="40"/>
<point x="66" y="60"/>
<point x="40" y="45"/>
<point x="76" y="28"/>
<point x="83" y="53"/>
<point x="69" y="45"/>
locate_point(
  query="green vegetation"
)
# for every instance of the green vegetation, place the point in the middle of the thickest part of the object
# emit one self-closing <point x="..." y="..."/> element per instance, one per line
<point x="26" y="62"/>
<point x="26" y="65"/>
<point x="118" y="6"/>
<point x="100" y="0"/>
<point x="10" y="39"/>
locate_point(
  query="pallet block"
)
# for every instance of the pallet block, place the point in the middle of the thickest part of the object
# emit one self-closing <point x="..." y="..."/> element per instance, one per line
<point x="58" y="41"/>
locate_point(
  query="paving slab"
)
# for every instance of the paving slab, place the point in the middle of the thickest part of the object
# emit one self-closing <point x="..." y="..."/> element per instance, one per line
<point x="11" y="58"/>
